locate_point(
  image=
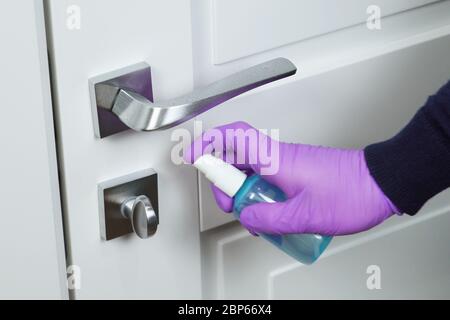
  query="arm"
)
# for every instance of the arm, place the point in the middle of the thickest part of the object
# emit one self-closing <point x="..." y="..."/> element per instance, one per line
<point x="414" y="165"/>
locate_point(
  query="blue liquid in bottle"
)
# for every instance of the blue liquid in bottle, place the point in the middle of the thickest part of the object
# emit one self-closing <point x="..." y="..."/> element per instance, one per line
<point x="306" y="248"/>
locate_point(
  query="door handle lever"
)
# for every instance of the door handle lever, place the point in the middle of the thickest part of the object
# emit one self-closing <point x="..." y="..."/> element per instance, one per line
<point x="136" y="110"/>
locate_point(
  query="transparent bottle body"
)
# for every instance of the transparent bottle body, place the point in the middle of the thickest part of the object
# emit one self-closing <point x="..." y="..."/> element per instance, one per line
<point x="305" y="248"/>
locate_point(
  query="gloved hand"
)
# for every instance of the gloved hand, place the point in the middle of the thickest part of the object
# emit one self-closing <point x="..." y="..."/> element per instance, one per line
<point x="330" y="191"/>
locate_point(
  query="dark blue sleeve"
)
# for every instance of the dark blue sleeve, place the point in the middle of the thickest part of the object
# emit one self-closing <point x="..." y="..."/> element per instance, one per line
<point x="414" y="165"/>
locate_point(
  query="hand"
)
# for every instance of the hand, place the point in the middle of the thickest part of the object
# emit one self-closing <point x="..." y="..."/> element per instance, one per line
<point x="330" y="191"/>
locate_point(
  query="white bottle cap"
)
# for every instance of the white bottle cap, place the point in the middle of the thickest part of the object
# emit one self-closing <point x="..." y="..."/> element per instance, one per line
<point x="222" y="174"/>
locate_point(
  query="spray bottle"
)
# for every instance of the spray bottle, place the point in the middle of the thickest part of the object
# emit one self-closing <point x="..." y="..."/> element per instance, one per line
<point x="246" y="191"/>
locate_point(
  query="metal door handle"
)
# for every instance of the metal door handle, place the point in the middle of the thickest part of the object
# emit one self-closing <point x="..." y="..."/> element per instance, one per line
<point x="140" y="212"/>
<point x="139" y="113"/>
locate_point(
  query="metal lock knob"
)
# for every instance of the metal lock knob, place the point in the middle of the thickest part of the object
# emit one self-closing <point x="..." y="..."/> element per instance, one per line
<point x="129" y="204"/>
<point x="143" y="218"/>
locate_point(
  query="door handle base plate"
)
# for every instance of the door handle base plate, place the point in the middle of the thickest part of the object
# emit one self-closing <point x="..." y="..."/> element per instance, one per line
<point x="114" y="192"/>
<point x="136" y="78"/>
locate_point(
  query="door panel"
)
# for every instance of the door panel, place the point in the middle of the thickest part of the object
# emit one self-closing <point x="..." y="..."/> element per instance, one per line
<point x="410" y="252"/>
<point x="241" y="28"/>
<point x="322" y="53"/>
<point x="413" y="264"/>
<point x="115" y="34"/>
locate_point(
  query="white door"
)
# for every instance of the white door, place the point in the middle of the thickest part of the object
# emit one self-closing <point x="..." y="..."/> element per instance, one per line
<point x="32" y="261"/>
<point x="356" y="84"/>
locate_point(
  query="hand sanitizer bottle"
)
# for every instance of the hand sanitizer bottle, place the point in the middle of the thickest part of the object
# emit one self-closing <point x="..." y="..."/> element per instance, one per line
<point x="246" y="191"/>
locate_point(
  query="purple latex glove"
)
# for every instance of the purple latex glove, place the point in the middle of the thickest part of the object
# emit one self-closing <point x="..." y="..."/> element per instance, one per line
<point x="330" y="191"/>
